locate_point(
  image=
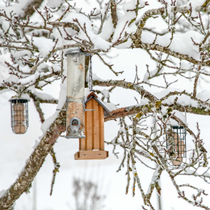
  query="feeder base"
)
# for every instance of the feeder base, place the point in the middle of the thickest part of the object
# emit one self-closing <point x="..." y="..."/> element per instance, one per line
<point x="90" y="155"/>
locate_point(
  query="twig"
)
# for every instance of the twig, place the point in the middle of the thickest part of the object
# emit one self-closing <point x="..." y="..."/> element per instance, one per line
<point x="56" y="169"/>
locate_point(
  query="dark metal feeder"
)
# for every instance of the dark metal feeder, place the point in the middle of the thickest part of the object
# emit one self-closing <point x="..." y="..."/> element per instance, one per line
<point x="176" y="144"/>
<point x="19" y="115"/>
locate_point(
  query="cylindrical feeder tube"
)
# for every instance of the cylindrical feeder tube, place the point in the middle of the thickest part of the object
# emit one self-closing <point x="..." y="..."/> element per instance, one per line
<point x="75" y="112"/>
<point x="19" y="115"/>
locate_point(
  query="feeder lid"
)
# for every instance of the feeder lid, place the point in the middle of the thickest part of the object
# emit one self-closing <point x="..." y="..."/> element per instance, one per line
<point x="14" y="99"/>
<point x="76" y="50"/>
<point x="177" y="127"/>
<point x="95" y="97"/>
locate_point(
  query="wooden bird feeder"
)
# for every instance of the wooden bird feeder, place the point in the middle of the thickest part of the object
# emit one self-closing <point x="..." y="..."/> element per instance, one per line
<point x="92" y="147"/>
<point x="176" y="139"/>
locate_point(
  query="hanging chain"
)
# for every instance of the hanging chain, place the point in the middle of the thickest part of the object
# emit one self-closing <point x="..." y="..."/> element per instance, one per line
<point x="90" y="82"/>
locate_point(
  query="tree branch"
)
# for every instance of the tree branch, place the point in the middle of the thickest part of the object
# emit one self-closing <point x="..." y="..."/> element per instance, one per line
<point x="114" y="13"/>
<point x="126" y="85"/>
<point x="29" y="9"/>
<point x="34" y="163"/>
<point x="170" y="52"/>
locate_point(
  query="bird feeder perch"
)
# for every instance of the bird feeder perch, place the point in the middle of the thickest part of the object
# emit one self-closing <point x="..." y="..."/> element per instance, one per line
<point x="19" y="115"/>
<point x="176" y="142"/>
<point x="75" y="109"/>
<point x="92" y="147"/>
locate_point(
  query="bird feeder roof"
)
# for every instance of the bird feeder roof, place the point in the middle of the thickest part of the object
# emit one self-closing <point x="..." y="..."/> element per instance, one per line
<point x="76" y="50"/>
<point x="92" y="95"/>
<point x="15" y="99"/>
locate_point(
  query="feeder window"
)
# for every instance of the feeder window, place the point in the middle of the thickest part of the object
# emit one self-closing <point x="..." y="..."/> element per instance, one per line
<point x="19" y="115"/>
<point x="176" y="144"/>
<point x="75" y="122"/>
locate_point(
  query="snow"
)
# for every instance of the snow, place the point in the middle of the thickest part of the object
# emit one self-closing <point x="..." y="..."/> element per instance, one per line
<point x="183" y="100"/>
<point x="195" y="5"/>
<point x="201" y="190"/>
<point x="20" y="147"/>
<point x="187" y="46"/>
<point x="36" y="144"/>
<point x="105" y="92"/>
<point x="14" y="6"/>
<point x="44" y="45"/>
<point x="62" y="99"/>
<point x="83" y="20"/>
<point x="123" y="22"/>
<point x="109" y="106"/>
<point x="134" y="171"/>
<point x="30" y="79"/>
<point x="11" y="78"/>
<point x="150" y="74"/>
<point x="154" y="179"/>
<point x="143" y="101"/>
<point x="4" y="74"/>
<point x="162" y="26"/>
<point x="179" y="39"/>
<point x="44" y="96"/>
<point x="107" y="29"/>
<point x="189" y="171"/>
<point x="95" y="77"/>
<point x="18" y="54"/>
<point x="2" y="193"/>
<point x="54" y="3"/>
<point x="48" y="122"/>
<point x="99" y="42"/>
<point x="204" y="95"/>
<point x="122" y="130"/>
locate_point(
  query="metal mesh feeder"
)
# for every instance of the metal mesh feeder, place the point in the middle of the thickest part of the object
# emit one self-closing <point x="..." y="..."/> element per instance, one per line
<point x="176" y="144"/>
<point x="19" y="115"/>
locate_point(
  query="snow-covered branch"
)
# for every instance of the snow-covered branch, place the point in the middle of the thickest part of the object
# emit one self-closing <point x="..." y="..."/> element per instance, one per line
<point x="171" y="46"/>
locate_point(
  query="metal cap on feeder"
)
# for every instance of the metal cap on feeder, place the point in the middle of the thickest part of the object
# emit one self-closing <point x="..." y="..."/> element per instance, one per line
<point x="75" y="110"/>
<point x="19" y="114"/>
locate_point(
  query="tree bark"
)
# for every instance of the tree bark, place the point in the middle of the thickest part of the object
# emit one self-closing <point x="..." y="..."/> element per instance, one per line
<point x="29" y="9"/>
<point x="34" y="163"/>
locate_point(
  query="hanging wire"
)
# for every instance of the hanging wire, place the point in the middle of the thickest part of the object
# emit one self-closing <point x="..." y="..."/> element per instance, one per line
<point x="90" y="82"/>
<point x="185" y="115"/>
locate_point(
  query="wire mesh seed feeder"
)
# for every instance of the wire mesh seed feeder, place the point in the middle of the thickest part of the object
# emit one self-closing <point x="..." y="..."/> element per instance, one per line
<point x="176" y="144"/>
<point x="19" y="115"/>
<point x="75" y="110"/>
